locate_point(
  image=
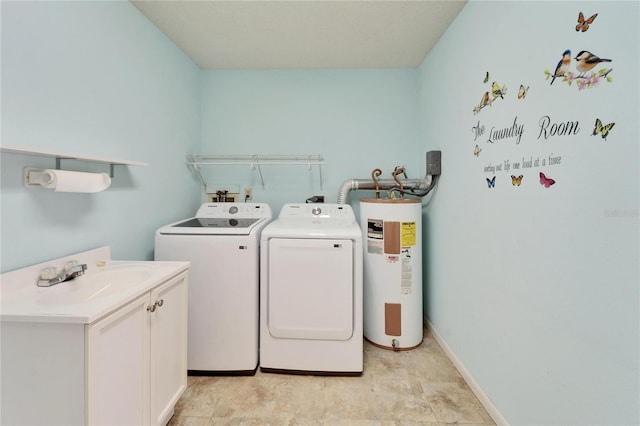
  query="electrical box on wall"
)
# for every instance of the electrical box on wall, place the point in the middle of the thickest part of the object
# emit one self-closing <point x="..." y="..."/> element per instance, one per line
<point x="248" y="194"/>
<point x="434" y="163"/>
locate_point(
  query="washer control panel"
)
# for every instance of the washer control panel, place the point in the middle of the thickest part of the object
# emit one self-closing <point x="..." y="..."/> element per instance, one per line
<point x="237" y="210"/>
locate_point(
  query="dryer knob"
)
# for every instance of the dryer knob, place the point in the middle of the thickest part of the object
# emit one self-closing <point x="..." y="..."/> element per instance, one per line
<point x="316" y="210"/>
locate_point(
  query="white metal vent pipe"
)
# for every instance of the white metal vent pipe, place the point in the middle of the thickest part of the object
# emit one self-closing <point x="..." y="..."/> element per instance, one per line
<point x="368" y="184"/>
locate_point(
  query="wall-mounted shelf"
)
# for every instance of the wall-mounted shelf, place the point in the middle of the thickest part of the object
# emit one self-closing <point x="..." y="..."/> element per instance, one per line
<point x="255" y="161"/>
<point x="69" y="156"/>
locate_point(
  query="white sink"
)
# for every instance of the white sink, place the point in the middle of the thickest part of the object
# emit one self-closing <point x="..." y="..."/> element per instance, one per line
<point x="106" y="285"/>
<point x="96" y="283"/>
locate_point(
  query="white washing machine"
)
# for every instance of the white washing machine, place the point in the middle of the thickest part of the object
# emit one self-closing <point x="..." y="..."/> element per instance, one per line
<point x="311" y="291"/>
<point x="222" y="242"/>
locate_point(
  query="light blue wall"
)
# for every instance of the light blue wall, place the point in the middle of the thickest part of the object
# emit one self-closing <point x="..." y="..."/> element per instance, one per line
<point x="94" y="78"/>
<point x="536" y="289"/>
<point x="357" y="119"/>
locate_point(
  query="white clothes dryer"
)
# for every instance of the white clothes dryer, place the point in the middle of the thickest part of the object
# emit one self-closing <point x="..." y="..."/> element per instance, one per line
<point x="222" y="242"/>
<point x="311" y="291"/>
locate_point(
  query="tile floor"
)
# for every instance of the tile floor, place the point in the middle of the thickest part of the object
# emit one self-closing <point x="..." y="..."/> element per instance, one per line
<point x="417" y="387"/>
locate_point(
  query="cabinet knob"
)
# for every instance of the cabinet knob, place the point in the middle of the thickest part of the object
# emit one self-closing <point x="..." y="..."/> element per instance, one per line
<point x="160" y="302"/>
<point x="151" y="308"/>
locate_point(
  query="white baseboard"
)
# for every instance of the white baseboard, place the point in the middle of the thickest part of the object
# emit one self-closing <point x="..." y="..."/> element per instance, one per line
<point x="466" y="375"/>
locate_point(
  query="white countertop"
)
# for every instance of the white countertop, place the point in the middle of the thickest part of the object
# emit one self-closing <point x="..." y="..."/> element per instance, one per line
<point x="105" y="286"/>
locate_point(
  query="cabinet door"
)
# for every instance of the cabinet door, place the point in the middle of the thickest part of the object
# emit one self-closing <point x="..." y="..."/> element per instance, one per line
<point x="168" y="347"/>
<point x="118" y="366"/>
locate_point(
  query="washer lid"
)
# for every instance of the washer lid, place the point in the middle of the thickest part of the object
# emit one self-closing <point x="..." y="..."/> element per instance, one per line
<point x="216" y="222"/>
<point x="213" y="226"/>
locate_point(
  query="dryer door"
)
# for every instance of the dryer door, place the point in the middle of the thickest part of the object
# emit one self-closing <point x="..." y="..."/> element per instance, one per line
<point x="310" y="289"/>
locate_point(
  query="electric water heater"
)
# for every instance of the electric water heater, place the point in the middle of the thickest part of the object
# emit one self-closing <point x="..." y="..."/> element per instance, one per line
<point x="392" y="286"/>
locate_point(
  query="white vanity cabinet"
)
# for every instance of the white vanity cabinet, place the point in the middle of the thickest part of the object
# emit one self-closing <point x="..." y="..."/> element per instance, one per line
<point x="136" y="359"/>
<point x="121" y="360"/>
<point x="118" y="367"/>
<point x="168" y="358"/>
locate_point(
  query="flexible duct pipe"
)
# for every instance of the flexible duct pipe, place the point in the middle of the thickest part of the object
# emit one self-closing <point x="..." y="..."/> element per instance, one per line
<point x="368" y="184"/>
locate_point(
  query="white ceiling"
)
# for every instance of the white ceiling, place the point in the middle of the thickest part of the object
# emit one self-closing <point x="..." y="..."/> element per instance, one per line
<point x="268" y="34"/>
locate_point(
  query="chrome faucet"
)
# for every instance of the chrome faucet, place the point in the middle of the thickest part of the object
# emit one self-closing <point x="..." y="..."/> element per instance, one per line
<point x="71" y="271"/>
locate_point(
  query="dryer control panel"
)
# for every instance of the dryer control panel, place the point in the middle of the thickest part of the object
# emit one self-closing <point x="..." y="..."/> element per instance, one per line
<point x="315" y="210"/>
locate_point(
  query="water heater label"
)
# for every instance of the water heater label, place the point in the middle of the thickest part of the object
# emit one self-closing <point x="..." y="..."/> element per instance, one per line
<point x="374" y="247"/>
<point x="408" y="230"/>
<point x="374" y="228"/>
<point x="375" y="236"/>
<point x="406" y="275"/>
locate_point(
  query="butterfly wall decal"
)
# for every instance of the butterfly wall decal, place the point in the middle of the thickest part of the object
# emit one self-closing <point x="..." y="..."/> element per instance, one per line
<point x="476" y="151"/>
<point x="522" y="92"/>
<point x="602" y="129"/>
<point x="516" y="180"/>
<point x="491" y="183"/>
<point x="545" y="181"/>
<point x="583" y="24"/>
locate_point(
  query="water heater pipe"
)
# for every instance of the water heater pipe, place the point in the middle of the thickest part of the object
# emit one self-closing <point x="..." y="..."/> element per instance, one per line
<point x="374" y="177"/>
<point x="420" y="186"/>
<point x="415" y="187"/>
<point x="395" y="174"/>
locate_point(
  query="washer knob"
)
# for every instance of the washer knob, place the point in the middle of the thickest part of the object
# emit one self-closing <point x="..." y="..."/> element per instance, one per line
<point x="233" y="209"/>
<point x="316" y="210"/>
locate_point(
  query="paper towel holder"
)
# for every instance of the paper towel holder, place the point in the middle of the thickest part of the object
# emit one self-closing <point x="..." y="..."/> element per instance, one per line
<point x="32" y="177"/>
<point x="59" y="156"/>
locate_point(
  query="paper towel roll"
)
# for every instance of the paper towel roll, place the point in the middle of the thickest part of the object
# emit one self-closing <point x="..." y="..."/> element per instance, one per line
<point x="67" y="181"/>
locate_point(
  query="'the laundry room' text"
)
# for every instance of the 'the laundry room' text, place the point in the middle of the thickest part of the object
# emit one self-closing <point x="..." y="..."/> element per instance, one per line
<point x="549" y="128"/>
<point x="515" y="130"/>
